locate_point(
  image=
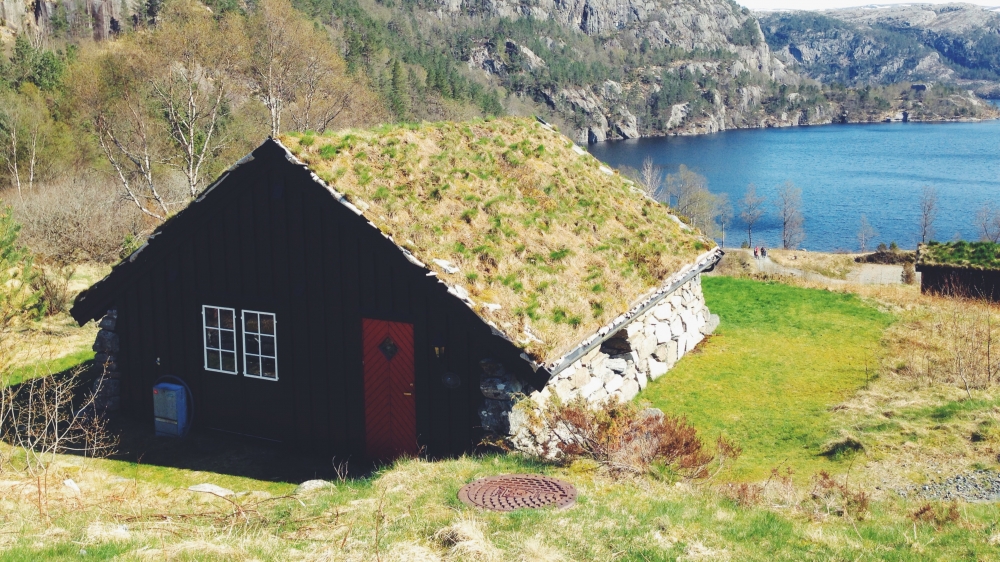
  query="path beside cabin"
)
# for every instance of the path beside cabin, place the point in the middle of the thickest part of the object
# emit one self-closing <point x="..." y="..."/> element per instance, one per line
<point x="863" y="274"/>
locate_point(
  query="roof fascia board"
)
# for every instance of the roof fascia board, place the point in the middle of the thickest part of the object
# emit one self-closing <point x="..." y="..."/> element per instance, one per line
<point x="704" y="262"/>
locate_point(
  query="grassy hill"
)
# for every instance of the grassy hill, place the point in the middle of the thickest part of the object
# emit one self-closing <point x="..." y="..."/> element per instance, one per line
<point x="779" y="377"/>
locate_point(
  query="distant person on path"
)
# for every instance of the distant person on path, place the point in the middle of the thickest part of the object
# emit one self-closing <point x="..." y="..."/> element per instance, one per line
<point x="763" y="252"/>
<point x="756" y="252"/>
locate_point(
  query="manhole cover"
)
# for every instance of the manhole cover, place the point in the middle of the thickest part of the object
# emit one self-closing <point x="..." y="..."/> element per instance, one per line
<point x="517" y="491"/>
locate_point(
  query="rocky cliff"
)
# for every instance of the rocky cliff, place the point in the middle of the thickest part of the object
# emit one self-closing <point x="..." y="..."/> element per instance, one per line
<point x="98" y="18"/>
<point x="955" y="44"/>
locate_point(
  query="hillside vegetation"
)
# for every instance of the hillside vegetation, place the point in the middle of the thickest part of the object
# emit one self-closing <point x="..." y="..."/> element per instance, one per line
<point x="550" y="244"/>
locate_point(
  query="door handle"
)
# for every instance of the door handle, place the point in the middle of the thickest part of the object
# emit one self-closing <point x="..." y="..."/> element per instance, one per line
<point x="407" y="394"/>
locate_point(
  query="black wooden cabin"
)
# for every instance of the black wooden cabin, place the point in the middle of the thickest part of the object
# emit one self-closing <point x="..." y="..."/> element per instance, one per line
<point x="274" y="302"/>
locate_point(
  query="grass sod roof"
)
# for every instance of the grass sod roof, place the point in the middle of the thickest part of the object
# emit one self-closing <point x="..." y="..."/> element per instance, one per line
<point x="960" y="254"/>
<point x="549" y="243"/>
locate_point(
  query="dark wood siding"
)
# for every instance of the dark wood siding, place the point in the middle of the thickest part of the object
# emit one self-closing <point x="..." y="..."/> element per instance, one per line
<point x="269" y="238"/>
<point x="973" y="283"/>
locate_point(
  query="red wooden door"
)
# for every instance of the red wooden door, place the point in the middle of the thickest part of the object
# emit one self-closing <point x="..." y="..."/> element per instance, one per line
<point x="390" y="407"/>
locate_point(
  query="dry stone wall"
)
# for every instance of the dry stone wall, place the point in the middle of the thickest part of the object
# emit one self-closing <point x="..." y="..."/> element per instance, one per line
<point x="106" y="348"/>
<point x="642" y="351"/>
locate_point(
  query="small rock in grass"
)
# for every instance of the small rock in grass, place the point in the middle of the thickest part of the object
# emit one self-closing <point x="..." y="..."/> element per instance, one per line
<point x="211" y="489"/>
<point x="312" y="485"/>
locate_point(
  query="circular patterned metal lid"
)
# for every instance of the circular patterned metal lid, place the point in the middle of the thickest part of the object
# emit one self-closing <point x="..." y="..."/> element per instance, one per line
<point x="517" y="491"/>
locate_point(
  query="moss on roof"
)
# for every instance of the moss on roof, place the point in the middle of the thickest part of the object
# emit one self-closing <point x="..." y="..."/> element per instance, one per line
<point x="968" y="255"/>
<point x="550" y="244"/>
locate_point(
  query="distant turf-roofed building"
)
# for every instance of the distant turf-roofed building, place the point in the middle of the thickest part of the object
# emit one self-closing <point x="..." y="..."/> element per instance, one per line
<point x="969" y="269"/>
<point x="391" y="290"/>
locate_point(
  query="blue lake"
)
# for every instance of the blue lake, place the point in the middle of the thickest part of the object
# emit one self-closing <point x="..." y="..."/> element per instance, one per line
<point x="844" y="171"/>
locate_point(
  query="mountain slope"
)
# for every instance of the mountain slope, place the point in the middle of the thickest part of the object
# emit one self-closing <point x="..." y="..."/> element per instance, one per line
<point x="954" y="43"/>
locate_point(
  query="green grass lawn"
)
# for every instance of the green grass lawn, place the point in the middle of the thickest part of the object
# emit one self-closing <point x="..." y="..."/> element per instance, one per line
<point x="781" y="357"/>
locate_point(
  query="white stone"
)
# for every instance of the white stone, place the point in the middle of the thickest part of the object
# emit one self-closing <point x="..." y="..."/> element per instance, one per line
<point x="600" y="396"/>
<point x="312" y="485"/>
<point x="642" y="380"/>
<point x="603" y="373"/>
<point x="69" y="483"/>
<point x="632" y="329"/>
<point x="447" y="266"/>
<point x="617" y="364"/>
<point x="663" y="311"/>
<point x="563" y="389"/>
<point x="650" y="329"/>
<point x="591" y="387"/>
<point x="629" y="390"/>
<point x="676" y="327"/>
<point x="211" y="489"/>
<point x="672" y="354"/>
<point x="688" y="320"/>
<point x="676" y="301"/>
<point x="598" y="360"/>
<point x="580" y="377"/>
<point x="614" y="383"/>
<point x="656" y="369"/>
<point x="664" y="332"/>
<point x="645" y="346"/>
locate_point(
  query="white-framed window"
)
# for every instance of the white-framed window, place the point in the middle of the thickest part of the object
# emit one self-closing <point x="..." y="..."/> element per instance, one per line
<point x="219" y="331"/>
<point x="260" y="345"/>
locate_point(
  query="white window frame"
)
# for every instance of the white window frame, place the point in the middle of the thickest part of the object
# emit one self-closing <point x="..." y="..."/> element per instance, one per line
<point x="204" y="338"/>
<point x="260" y="356"/>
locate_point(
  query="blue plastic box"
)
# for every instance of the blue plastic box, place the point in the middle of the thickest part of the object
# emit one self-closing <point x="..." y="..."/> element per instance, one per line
<point x="170" y="409"/>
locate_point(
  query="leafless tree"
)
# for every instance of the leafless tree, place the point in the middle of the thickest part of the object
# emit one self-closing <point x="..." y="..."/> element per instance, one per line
<point x="725" y="215"/>
<point x="789" y="205"/>
<point x="866" y="233"/>
<point x="23" y="123"/>
<point x="689" y="190"/>
<point x="928" y="212"/>
<point x="751" y="209"/>
<point x="988" y="222"/>
<point x="273" y="67"/>
<point x="650" y="178"/>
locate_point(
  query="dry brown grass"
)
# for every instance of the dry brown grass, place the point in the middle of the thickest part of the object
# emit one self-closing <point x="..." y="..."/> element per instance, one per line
<point x="836" y="266"/>
<point x="533" y="226"/>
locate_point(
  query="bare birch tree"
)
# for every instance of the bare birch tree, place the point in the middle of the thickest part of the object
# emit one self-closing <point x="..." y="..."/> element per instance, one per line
<point x="24" y="124"/>
<point x="651" y="178"/>
<point x="866" y="233"/>
<point x="789" y="205"/>
<point x="193" y="81"/>
<point x="115" y="92"/>
<point x="928" y="213"/>
<point x="751" y="209"/>
<point x="274" y="63"/>
<point x="988" y="222"/>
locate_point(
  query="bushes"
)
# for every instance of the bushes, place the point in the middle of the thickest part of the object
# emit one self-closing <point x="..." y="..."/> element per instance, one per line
<point x="621" y="437"/>
<point x="77" y="220"/>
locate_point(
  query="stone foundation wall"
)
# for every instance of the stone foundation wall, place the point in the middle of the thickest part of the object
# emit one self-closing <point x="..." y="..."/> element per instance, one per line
<point x="106" y="347"/>
<point x="643" y="351"/>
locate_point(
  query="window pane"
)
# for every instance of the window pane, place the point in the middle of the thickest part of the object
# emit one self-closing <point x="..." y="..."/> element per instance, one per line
<point x="228" y="340"/>
<point x="267" y="324"/>
<point x="250" y="322"/>
<point x="252" y="344"/>
<point x="212" y="338"/>
<point x="253" y="365"/>
<point x="267" y="345"/>
<point x="268" y="368"/>
<point x="212" y="359"/>
<point x="229" y="362"/>
<point x="212" y="317"/>
<point x="227" y="319"/>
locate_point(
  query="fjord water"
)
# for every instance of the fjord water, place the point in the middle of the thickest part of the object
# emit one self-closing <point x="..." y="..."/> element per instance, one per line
<point x="844" y="171"/>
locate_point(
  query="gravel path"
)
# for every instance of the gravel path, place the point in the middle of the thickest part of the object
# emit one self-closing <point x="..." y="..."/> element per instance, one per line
<point x="867" y="274"/>
<point x="976" y="486"/>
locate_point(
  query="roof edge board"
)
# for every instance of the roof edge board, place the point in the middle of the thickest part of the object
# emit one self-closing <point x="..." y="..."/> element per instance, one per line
<point x="704" y="262"/>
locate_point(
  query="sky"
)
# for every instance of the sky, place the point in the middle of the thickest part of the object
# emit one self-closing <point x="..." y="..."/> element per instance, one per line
<point x="826" y="4"/>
